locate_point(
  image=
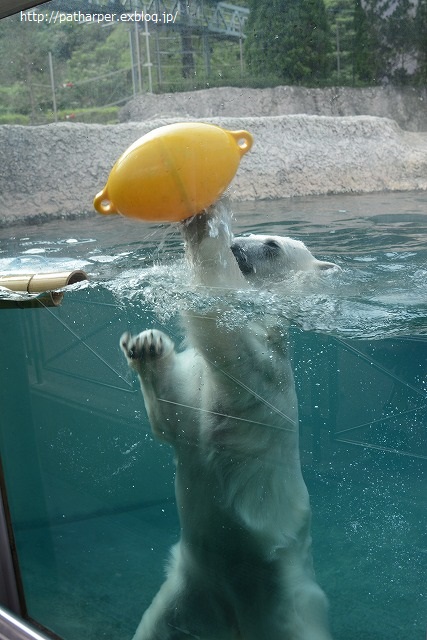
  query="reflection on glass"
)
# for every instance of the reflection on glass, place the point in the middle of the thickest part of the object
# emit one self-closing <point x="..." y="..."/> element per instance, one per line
<point x="91" y="493"/>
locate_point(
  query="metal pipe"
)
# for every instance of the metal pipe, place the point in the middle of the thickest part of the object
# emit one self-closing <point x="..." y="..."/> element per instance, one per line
<point x="9" y="595"/>
<point x="138" y="58"/>
<point x="52" y="84"/>
<point x="40" y="282"/>
<point x="148" y="63"/>
<point x="42" y="285"/>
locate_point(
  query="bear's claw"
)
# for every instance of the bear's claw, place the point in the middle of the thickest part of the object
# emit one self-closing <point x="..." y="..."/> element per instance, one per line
<point x="147" y="345"/>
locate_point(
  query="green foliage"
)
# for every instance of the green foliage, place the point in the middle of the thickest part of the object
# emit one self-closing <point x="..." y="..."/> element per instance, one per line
<point x="340" y="14"/>
<point x="399" y="33"/>
<point x="303" y="42"/>
<point x="91" y="66"/>
<point x="103" y="115"/>
<point x="23" y="65"/>
<point x="98" y="70"/>
<point x="388" y="40"/>
<point x="290" y="39"/>
<point x="421" y="42"/>
<point x="14" y="118"/>
<point x="367" y="60"/>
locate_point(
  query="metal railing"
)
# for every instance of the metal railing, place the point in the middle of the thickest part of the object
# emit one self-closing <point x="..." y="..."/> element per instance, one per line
<point x="224" y="18"/>
<point x="13" y="628"/>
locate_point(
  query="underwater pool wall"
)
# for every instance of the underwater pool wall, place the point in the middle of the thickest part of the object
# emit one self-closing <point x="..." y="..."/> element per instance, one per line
<point x="86" y="481"/>
<point x="73" y="399"/>
<point x="358" y="396"/>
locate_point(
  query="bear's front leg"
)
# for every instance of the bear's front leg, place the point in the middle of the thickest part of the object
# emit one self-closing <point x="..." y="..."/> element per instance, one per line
<point x="208" y="239"/>
<point x="152" y="354"/>
<point x="145" y="349"/>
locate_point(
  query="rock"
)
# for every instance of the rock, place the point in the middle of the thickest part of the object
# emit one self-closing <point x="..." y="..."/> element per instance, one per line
<point x="55" y="171"/>
<point x="406" y="105"/>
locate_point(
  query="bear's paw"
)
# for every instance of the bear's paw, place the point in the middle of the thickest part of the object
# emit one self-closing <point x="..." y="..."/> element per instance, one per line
<point x="147" y="346"/>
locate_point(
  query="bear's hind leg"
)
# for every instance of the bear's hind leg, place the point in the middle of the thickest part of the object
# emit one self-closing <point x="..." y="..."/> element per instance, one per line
<point x="184" y="608"/>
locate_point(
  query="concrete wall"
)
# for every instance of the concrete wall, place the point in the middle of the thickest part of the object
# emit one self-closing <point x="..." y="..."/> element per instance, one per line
<point x="55" y="171"/>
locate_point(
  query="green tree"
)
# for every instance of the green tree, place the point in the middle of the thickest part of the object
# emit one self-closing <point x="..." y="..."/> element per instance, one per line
<point x="290" y="40"/>
<point x="23" y="67"/>
<point x="389" y="39"/>
<point x="368" y="58"/>
<point x="93" y="69"/>
<point x="421" y="41"/>
<point x="399" y="36"/>
<point x="340" y="13"/>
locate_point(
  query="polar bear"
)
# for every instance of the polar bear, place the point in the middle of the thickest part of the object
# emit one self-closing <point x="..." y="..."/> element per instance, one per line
<point x="242" y="569"/>
<point x="266" y="259"/>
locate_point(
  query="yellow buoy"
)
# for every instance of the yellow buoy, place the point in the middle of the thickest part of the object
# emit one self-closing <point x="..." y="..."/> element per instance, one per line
<point x="173" y="172"/>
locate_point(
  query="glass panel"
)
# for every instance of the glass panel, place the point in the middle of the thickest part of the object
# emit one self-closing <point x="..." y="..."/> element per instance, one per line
<point x="91" y="493"/>
<point x="71" y="400"/>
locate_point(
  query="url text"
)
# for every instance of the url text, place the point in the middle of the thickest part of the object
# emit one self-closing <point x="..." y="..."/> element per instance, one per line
<point x="60" y="17"/>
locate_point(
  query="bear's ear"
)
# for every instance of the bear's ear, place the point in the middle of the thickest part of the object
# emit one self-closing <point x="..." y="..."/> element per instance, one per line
<point x="325" y="266"/>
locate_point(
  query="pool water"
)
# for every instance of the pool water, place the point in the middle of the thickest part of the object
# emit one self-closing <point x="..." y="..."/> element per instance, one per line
<point x="91" y="493"/>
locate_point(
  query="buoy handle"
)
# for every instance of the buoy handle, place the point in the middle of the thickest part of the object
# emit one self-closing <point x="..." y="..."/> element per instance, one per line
<point x="244" y="140"/>
<point x="102" y="204"/>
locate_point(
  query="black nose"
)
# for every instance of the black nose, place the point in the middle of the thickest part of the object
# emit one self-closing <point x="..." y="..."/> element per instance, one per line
<point x="242" y="259"/>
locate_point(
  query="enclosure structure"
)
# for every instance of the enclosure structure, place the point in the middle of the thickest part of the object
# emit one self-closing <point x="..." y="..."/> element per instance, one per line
<point x="88" y="494"/>
<point x="88" y="512"/>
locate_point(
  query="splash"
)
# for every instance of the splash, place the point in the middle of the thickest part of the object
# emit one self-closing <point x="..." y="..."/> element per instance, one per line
<point x="372" y="297"/>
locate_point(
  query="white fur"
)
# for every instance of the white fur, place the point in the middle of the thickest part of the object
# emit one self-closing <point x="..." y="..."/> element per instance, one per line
<point x="242" y="569"/>
<point x="264" y="258"/>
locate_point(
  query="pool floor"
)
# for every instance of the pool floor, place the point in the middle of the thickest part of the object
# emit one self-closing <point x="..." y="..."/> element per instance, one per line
<point x="106" y="569"/>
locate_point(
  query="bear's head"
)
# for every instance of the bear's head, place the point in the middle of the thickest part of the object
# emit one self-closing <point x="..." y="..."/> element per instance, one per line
<point x="262" y="257"/>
